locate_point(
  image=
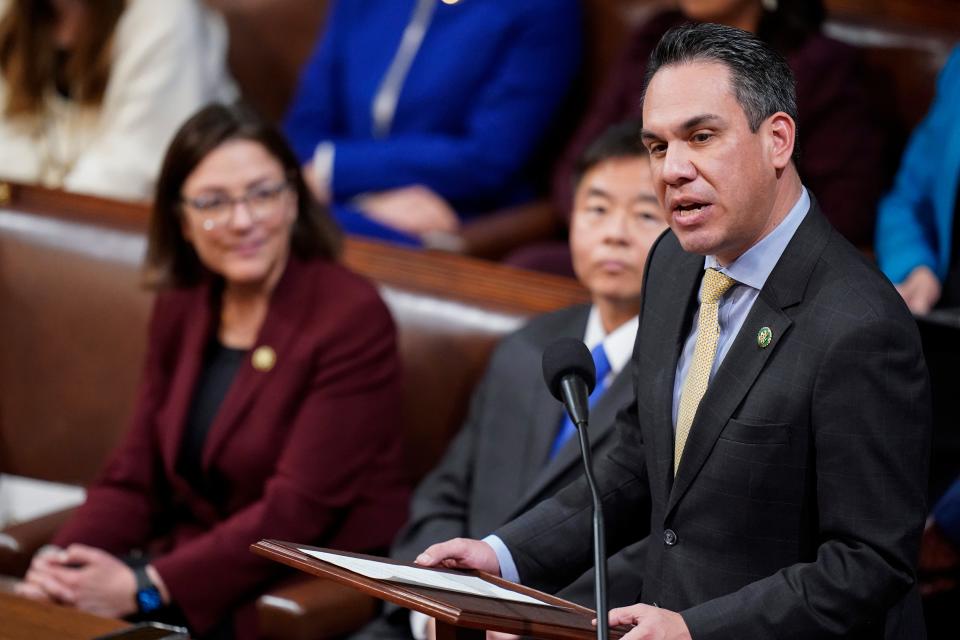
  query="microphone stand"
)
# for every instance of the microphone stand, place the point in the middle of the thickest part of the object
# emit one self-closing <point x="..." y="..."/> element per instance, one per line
<point x="599" y="541"/>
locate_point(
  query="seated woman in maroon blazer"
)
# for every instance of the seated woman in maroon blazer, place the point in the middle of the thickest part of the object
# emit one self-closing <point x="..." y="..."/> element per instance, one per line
<point x="268" y="406"/>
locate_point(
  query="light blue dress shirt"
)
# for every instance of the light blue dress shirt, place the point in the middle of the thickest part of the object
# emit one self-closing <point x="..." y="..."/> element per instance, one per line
<point x="751" y="271"/>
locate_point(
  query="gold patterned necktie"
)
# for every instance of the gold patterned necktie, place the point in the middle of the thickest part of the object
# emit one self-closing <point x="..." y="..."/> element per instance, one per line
<point x="715" y="284"/>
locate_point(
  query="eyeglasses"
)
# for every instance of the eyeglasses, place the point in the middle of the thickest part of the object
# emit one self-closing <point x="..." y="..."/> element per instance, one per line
<point x="216" y="210"/>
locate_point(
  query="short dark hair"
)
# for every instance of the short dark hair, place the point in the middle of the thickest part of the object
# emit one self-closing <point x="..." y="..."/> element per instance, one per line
<point x="762" y="80"/>
<point x="170" y="259"/>
<point x="620" y="140"/>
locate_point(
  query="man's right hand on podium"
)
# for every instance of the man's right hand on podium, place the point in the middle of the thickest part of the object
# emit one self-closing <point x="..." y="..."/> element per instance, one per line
<point x="461" y="553"/>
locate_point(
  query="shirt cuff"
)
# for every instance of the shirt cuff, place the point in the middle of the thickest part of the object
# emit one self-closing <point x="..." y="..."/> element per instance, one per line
<point x="508" y="568"/>
<point x="418" y="625"/>
<point x="323" y="165"/>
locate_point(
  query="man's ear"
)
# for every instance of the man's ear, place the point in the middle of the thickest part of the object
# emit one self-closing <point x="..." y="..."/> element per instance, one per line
<point x="782" y="136"/>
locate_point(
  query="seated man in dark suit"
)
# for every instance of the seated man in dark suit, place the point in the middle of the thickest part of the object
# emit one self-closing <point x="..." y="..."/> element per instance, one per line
<point x="515" y="448"/>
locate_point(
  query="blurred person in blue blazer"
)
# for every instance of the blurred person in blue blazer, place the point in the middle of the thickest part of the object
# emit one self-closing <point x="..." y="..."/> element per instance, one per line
<point x="917" y="241"/>
<point x="412" y="115"/>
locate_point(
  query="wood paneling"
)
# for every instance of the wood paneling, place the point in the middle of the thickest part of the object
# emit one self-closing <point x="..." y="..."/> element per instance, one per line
<point x="22" y="619"/>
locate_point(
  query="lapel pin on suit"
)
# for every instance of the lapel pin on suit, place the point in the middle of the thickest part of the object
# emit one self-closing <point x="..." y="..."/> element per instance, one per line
<point x="764" y="337"/>
<point x="264" y="358"/>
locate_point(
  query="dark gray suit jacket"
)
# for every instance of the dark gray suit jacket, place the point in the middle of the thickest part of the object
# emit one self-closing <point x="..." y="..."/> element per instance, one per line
<point x="798" y="505"/>
<point x="497" y="467"/>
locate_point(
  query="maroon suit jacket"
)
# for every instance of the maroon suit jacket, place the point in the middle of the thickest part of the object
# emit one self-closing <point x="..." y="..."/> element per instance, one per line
<point x="309" y="451"/>
<point x="843" y="139"/>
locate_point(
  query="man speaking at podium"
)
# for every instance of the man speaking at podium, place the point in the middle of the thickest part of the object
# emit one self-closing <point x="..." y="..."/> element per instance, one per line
<point x="777" y="448"/>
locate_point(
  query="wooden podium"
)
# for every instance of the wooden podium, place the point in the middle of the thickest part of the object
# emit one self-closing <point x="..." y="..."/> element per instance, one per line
<point x="458" y="615"/>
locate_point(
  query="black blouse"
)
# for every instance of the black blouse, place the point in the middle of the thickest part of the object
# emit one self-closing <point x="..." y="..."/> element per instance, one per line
<point x="219" y="369"/>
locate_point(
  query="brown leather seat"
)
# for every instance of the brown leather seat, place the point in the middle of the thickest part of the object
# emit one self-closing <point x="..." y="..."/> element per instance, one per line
<point x="74" y="319"/>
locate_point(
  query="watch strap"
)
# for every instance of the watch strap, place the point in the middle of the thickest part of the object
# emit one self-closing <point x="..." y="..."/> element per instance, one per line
<point x="148" y="595"/>
<point x="143" y="578"/>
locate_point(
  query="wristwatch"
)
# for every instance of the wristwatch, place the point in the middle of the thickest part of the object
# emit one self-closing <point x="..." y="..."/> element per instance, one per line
<point x="148" y="596"/>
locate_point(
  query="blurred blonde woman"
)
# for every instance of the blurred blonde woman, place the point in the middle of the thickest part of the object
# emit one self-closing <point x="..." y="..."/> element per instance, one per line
<point x="92" y="91"/>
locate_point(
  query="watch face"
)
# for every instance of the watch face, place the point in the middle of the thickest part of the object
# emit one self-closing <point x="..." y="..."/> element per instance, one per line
<point x="149" y="600"/>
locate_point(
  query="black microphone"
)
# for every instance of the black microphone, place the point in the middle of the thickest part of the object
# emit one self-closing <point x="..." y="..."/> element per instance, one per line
<point x="570" y="374"/>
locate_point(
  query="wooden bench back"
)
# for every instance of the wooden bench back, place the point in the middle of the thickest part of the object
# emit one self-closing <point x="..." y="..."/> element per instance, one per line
<point x="73" y="318"/>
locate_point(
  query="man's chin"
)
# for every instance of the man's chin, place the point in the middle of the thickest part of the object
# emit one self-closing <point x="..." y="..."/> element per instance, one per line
<point x="696" y="243"/>
<point x="618" y="294"/>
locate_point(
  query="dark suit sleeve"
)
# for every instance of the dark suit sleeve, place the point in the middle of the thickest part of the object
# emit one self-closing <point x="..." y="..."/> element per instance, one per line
<point x="548" y="542"/>
<point x="869" y="421"/>
<point x="624" y="574"/>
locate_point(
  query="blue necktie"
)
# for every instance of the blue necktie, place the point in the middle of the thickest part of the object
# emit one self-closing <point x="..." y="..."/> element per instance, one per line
<point x="567" y="428"/>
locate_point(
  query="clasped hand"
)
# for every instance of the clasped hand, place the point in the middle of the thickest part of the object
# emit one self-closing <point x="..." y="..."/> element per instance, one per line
<point x="415" y="210"/>
<point x="83" y="577"/>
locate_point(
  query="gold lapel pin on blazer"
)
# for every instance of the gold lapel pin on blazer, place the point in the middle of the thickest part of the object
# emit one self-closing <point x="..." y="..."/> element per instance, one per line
<point x="264" y="358"/>
<point x="764" y="337"/>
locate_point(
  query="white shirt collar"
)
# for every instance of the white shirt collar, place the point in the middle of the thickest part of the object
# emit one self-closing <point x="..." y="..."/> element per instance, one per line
<point x="618" y="344"/>
<point x="754" y="266"/>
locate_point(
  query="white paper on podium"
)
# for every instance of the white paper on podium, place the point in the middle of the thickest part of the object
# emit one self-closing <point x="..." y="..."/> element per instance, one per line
<point x="424" y="577"/>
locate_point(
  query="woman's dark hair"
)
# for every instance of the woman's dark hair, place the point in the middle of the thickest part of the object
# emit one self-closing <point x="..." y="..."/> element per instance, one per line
<point x="620" y="140"/>
<point x="171" y="260"/>
<point x="31" y="62"/>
